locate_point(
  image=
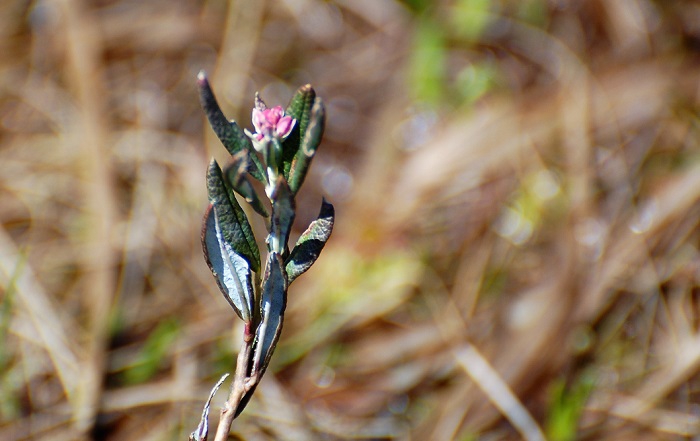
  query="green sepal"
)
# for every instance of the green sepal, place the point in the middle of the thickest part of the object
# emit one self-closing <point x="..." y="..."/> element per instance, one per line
<point x="310" y="243"/>
<point x="236" y="175"/>
<point x="232" y="219"/>
<point x="300" y="109"/>
<point x="307" y="149"/>
<point x="228" y="132"/>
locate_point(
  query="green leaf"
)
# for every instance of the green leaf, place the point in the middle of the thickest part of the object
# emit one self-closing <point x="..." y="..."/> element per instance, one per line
<point x="231" y="271"/>
<point x="307" y="149"/>
<point x="282" y="216"/>
<point x="310" y="243"/>
<point x="231" y="136"/>
<point x="300" y="109"/>
<point x="233" y="222"/>
<point x="237" y="177"/>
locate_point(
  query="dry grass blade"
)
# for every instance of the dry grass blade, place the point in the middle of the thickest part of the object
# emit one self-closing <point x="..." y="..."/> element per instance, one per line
<point x="52" y="329"/>
<point x="498" y="392"/>
<point x="83" y="44"/>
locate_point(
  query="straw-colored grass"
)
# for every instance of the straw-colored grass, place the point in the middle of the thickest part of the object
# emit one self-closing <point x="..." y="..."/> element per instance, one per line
<point x="516" y="249"/>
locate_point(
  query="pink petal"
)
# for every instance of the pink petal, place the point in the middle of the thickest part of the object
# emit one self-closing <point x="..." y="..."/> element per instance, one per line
<point x="259" y="119"/>
<point x="285" y="126"/>
<point x="275" y="115"/>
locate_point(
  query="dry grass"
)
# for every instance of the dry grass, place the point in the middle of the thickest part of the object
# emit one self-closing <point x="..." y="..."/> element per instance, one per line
<point x="518" y="264"/>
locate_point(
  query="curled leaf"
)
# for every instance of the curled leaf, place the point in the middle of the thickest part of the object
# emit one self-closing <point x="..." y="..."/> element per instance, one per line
<point x="310" y="243"/>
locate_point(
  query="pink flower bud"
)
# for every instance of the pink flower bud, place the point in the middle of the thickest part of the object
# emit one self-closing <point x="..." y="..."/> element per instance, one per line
<point x="271" y="123"/>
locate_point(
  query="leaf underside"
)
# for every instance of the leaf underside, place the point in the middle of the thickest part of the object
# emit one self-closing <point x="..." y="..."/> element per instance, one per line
<point x="231" y="271"/>
<point x="273" y="304"/>
<point x="311" y="243"/>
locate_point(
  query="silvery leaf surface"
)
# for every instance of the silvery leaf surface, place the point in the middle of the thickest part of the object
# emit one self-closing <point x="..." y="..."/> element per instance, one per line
<point x="273" y="304"/>
<point x="231" y="271"/>
<point x="311" y="243"/>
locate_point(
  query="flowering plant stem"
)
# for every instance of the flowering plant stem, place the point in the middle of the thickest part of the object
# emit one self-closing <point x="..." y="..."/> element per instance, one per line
<point x="241" y="385"/>
<point x="277" y="155"/>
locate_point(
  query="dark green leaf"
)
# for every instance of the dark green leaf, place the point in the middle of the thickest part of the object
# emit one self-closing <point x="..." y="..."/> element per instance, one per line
<point x="300" y="109"/>
<point x="231" y="218"/>
<point x="310" y="142"/>
<point x="231" y="271"/>
<point x="310" y="243"/>
<point x="231" y="136"/>
<point x="237" y="176"/>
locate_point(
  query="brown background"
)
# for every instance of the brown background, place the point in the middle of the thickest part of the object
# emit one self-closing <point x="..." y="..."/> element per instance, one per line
<point x="516" y="248"/>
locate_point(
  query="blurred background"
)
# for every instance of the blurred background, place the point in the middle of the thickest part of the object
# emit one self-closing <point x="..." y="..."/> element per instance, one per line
<point x="515" y="256"/>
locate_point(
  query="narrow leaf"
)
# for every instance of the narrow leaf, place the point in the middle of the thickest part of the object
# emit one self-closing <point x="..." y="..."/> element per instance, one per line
<point x="202" y="431"/>
<point x="307" y="149"/>
<point x="273" y="304"/>
<point x="233" y="222"/>
<point x="310" y="243"/>
<point x="231" y="136"/>
<point x="231" y="271"/>
<point x="237" y="177"/>
<point x="282" y="216"/>
<point x="300" y="109"/>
